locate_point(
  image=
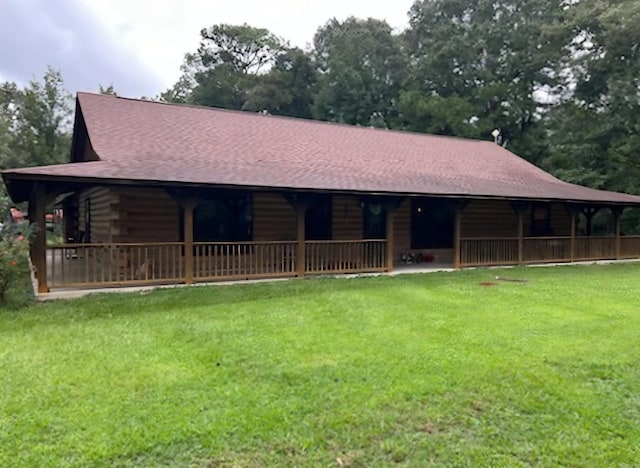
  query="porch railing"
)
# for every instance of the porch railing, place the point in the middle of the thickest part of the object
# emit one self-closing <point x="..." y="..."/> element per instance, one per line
<point x="595" y="248"/>
<point x="348" y="256"/>
<point x="629" y="246"/>
<point x="546" y="249"/>
<point x="485" y="251"/>
<point x="243" y="260"/>
<point x="505" y="251"/>
<point x="95" y="264"/>
<point x="85" y="265"/>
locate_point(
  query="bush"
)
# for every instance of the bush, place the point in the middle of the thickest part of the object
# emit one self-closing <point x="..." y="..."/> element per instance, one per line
<point x="14" y="249"/>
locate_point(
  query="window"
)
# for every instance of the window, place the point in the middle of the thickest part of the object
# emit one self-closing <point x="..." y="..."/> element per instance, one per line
<point x="317" y="221"/>
<point x="541" y="221"/>
<point x="224" y="219"/>
<point x="432" y="224"/>
<point x="373" y="221"/>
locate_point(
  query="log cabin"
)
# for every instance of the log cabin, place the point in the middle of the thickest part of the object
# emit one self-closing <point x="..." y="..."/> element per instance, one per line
<point x="158" y="193"/>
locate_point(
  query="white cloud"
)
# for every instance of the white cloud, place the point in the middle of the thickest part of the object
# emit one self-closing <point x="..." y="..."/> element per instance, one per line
<point x="139" y="45"/>
<point x="161" y="32"/>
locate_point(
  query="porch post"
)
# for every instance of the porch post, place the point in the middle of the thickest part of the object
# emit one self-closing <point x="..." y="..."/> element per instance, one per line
<point x="390" y="205"/>
<point x="389" y="227"/>
<point x="589" y="214"/>
<point x="38" y="247"/>
<point x="617" y="213"/>
<point x="574" y="211"/>
<point x="572" y="243"/>
<point x="187" y="208"/>
<point x="519" y="208"/>
<point x="457" y="232"/>
<point x="301" y="211"/>
<point x="520" y="237"/>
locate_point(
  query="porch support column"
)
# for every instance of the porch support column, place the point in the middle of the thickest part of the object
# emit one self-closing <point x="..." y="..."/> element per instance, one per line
<point x="458" y="207"/>
<point x="520" y="208"/>
<point x="457" y="231"/>
<point x="301" y="202"/>
<point x="38" y="246"/>
<point x="187" y="208"/>
<point x="301" y="211"/>
<point x="573" y="211"/>
<point x="520" y="237"/>
<point x="617" y="214"/>
<point x="588" y="214"/>
<point x="390" y="205"/>
<point x="389" y="227"/>
<point x="572" y="243"/>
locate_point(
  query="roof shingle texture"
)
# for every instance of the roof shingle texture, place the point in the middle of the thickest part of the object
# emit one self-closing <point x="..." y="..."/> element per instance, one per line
<point x="143" y="140"/>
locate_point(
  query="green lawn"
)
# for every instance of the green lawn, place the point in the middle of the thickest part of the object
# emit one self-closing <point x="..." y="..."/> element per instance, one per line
<point x="411" y="370"/>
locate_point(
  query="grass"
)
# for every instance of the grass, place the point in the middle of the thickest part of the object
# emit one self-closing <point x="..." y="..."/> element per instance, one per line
<point x="412" y="370"/>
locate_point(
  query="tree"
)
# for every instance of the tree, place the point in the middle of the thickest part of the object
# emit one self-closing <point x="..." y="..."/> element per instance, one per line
<point x="225" y="66"/>
<point x="361" y="70"/>
<point x="594" y="133"/>
<point x="478" y="65"/>
<point x="35" y="122"/>
<point x="286" y="89"/>
<point x="109" y="90"/>
<point x="10" y="156"/>
<point x="43" y="122"/>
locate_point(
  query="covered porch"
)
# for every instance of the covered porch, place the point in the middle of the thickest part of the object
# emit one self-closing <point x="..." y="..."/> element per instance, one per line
<point x="459" y="233"/>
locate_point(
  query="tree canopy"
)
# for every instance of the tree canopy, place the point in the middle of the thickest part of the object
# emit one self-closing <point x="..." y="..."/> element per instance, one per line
<point x="35" y="122"/>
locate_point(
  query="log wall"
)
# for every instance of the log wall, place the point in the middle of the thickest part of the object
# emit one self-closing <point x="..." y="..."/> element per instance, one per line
<point x="274" y="219"/>
<point x="146" y="215"/>
<point x="489" y="218"/>
<point x="103" y="204"/>
<point x="346" y="218"/>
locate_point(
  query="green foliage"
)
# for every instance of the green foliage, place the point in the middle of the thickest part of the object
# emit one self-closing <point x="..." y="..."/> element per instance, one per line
<point x="286" y="88"/>
<point x="361" y="70"/>
<point x="35" y="122"/>
<point x="14" y="249"/>
<point x="423" y="370"/>
<point x="245" y="68"/>
<point x="436" y="114"/>
<point x="594" y="133"/>
<point x="483" y="61"/>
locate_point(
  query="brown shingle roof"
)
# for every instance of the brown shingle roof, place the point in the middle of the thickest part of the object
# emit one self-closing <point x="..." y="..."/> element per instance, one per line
<point x="150" y="141"/>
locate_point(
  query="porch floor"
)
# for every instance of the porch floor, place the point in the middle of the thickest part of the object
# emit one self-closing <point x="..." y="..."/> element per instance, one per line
<point x="402" y="269"/>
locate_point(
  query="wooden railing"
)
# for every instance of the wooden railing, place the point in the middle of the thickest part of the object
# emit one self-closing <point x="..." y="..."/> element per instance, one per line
<point x="101" y="264"/>
<point x="349" y="256"/>
<point x="243" y="260"/>
<point x="630" y="247"/>
<point x="483" y="251"/>
<point x="505" y="251"/>
<point x="84" y="265"/>
<point x="595" y="248"/>
<point x="546" y="249"/>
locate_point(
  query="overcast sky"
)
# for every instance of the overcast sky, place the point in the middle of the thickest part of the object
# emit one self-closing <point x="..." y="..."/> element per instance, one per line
<point x="138" y="45"/>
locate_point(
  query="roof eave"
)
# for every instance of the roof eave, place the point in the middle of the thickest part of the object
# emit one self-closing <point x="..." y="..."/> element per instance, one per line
<point x="19" y="185"/>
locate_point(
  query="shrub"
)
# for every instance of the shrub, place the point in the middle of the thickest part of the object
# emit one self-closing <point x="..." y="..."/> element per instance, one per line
<point x="14" y="250"/>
